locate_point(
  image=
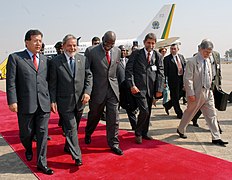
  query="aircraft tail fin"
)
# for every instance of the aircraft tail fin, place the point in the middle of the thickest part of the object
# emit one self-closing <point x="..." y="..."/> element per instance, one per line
<point x="160" y="24"/>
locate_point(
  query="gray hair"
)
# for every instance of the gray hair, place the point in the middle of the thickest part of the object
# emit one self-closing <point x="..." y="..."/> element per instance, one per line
<point x="206" y="44"/>
<point x="67" y="37"/>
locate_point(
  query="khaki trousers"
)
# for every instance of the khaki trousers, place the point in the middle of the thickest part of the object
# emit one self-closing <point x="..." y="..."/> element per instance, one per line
<point x="204" y="102"/>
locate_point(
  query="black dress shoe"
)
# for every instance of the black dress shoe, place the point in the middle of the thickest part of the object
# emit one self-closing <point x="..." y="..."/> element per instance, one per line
<point x="29" y="155"/>
<point x="117" y="150"/>
<point x="219" y="142"/>
<point x="147" y="137"/>
<point x="87" y="139"/>
<point x="181" y="135"/>
<point x="78" y="162"/>
<point x="138" y="139"/>
<point x="179" y="116"/>
<point x="49" y="138"/>
<point x="45" y="170"/>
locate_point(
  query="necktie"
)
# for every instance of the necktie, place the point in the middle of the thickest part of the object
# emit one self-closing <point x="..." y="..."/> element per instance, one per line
<point x="35" y="62"/>
<point x="108" y="57"/>
<point x="148" y="57"/>
<point x="179" y="66"/>
<point x="71" y="62"/>
<point x="206" y="76"/>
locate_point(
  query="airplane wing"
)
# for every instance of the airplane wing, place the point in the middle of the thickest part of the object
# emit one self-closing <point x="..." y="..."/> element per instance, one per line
<point x="167" y="42"/>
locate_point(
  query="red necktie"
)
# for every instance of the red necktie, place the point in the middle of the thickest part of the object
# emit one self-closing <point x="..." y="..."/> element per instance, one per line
<point x="148" y="57"/>
<point x="108" y="56"/>
<point x="35" y="62"/>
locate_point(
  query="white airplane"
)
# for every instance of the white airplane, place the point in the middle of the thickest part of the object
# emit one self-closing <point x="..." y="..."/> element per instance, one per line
<point x="160" y="26"/>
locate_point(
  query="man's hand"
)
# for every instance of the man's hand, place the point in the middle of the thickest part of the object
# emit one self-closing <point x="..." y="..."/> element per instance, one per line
<point x="13" y="107"/>
<point x="54" y="107"/>
<point x="192" y="98"/>
<point x="158" y="94"/>
<point x="134" y="90"/>
<point x="85" y="98"/>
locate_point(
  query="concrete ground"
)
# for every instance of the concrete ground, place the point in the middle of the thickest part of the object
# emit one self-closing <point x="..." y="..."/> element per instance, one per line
<point x="162" y="127"/>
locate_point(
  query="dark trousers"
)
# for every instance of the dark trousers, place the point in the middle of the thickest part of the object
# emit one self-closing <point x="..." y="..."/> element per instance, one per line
<point x="132" y="118"/>
<point x="112" y="117"/>
<point x="144" y="104"/>
<point x="70" y="125"/>
<point x="176" y="92"/>
<point x="31" y="124"/>
<point x="197" y="115"/>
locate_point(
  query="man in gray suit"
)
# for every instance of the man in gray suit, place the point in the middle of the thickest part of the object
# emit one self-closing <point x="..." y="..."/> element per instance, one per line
<point x="70" y="86"/>
<point x="197" y="81"/>
<point x="145" y="77"/>
<point x="28" y="95"/>
<point x="103" y="60"/>
<point x="215" y="61"/>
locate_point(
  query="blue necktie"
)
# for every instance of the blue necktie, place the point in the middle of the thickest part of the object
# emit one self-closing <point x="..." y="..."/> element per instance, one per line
<point x="72" y="66"/>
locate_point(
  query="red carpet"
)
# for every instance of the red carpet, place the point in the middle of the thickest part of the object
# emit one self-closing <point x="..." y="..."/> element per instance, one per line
<point x="151" y="160"/>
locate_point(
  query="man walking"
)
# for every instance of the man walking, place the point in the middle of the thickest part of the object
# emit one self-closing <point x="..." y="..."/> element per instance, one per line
<point x="197" y="80"/>
<point x="103" y="60"/>
<point x="145" y="77"/>
<point x="70" y="87"/>
<point x="28" y="96"/>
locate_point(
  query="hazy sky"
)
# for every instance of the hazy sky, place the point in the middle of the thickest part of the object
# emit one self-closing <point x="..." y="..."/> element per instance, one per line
<point x="193" y="21"/>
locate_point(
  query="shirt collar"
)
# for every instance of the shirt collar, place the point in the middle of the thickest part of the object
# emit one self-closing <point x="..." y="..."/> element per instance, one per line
<point x="67" y="56"/>
<point x="31" y="54"/>
<point x="147" y="52"/>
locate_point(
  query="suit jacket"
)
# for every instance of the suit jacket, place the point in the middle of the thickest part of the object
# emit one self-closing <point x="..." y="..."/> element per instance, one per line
<point x="26" y="86"/>
<point x="217" y="65"/>
<point x="65" y="89"/>
<point x="193" y="76"/>
<point x="140" y="73"/>
<point x="104" y="75"/>
<point x="171" y="70"/>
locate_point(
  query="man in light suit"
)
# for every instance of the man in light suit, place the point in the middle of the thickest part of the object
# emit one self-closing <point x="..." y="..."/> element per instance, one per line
<point x="28" y="95"/>
<point x="215" y="61"/>
<point x="145" y="77"/>
<point x="124" y="90"/>
<point x="103" y="60"/>
<point x="174" y="65"/>
<point x="197" y="80"/>
<point x="70" y="86"/>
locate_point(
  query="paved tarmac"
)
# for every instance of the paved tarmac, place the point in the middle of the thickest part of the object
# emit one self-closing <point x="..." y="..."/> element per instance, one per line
<point x="162" y="127"/>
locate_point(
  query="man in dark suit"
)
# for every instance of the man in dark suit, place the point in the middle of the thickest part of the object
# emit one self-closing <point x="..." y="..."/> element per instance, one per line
<point x="144" y="74"/>
<point x="174" y="65"/>
<point x="103" y="60"/>
<point x="70" y="86"/>
<point x="123" y="88"/>
<point x="28" y="95"/>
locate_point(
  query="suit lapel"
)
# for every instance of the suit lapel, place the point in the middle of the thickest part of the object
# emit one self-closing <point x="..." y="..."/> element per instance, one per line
<point x="65" y="64"/>
<point x="26" y="57"/>
<point x="172" y="58"/>
<point x="41" y="63"/>
<point x="143" y="55"/>
<point x="77" y="65"/>
<point x="199" y="64"/>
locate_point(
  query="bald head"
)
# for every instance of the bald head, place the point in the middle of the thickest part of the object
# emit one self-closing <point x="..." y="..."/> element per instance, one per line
<point x="109" y="39"/>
